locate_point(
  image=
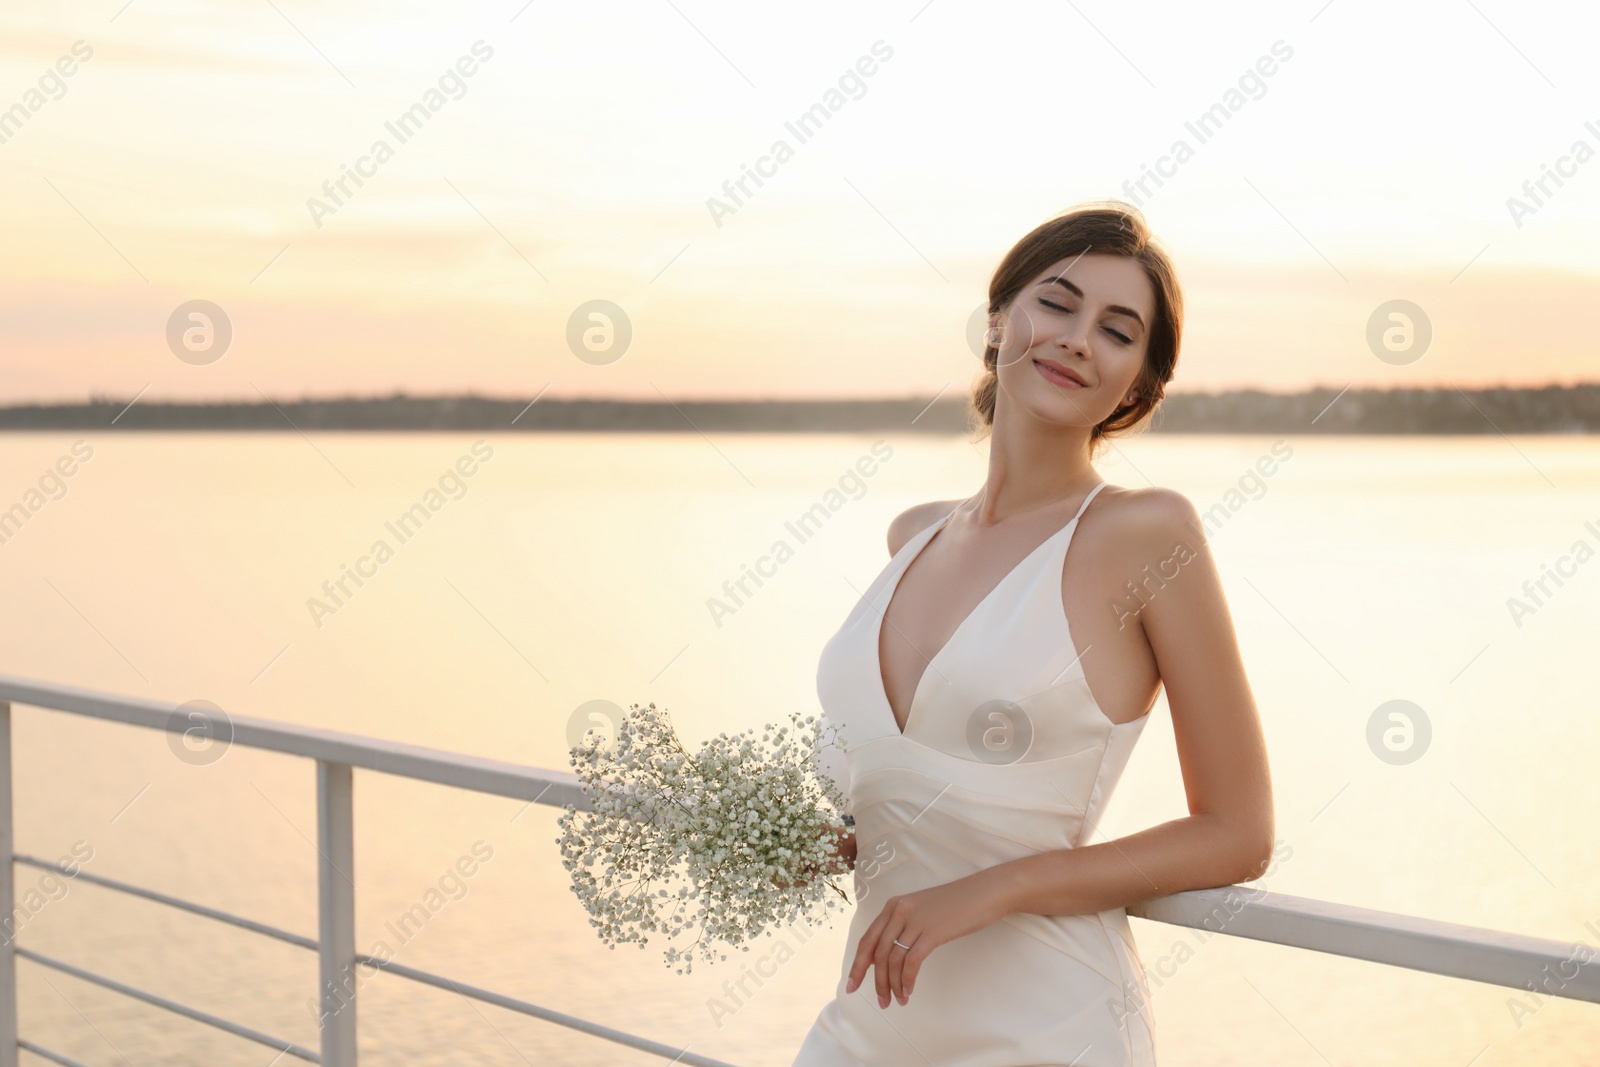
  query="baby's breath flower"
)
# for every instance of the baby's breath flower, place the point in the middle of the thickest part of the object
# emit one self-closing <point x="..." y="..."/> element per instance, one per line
<point x="719" y="827"/>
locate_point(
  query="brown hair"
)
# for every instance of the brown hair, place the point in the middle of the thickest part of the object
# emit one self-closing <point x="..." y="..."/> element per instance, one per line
<point x="1111" y="227"/>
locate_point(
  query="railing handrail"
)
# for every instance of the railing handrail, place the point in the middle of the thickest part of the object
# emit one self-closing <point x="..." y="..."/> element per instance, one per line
<point x="516" y="780"/>
<point x="1452" y="949"/>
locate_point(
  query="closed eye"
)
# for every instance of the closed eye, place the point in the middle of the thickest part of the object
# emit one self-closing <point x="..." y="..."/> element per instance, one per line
<point x="1120" y="337"/>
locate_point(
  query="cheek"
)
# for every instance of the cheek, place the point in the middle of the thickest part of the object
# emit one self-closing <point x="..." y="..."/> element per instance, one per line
<point x="1129" y="363"/>
<point x="1024" y="329"/>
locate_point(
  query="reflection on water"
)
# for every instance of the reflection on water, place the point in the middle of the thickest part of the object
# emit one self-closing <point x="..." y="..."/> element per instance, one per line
<point x="470" y="592"/>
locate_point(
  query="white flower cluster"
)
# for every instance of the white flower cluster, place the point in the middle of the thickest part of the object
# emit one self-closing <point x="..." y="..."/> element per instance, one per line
<point x="733" y="840"/>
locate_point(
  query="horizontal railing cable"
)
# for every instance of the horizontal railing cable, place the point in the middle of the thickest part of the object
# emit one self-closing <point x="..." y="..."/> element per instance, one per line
<point x="526" y="1008"/>
<point x="170" y="1005"/>
<point x="53" y="1057"/>
<point x="173" y="902"/>
<point x="643" y="1044"/>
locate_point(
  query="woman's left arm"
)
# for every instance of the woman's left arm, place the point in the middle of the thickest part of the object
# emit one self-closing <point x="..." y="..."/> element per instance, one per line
<point x="1227" y="836"/>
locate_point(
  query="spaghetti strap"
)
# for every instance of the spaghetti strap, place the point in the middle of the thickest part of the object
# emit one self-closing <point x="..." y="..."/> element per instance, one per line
<point x="1085" y="505"/>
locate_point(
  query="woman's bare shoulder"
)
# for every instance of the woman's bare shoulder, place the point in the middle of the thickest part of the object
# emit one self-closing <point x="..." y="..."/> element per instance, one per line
<point x="1154" y="514"/>
<point x="914" y="520"/>
<point x="1137" y="518"/>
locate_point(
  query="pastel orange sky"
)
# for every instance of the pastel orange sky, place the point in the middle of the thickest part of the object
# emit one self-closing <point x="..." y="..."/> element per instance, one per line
<point x="559" y="156"/>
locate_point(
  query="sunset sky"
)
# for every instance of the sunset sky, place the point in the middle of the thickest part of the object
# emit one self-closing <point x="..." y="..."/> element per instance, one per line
<point x="575" y="162"/>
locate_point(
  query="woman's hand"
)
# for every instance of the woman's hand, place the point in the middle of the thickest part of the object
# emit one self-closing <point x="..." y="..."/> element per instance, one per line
<point x="844" y="851"/>
<point x="923" y="920"/>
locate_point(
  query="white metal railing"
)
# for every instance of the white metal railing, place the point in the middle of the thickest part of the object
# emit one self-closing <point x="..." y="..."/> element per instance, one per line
<point x="1523" y="963"/>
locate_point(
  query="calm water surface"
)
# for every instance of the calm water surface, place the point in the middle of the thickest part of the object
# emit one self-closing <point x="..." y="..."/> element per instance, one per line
<point x="565" y="569"/>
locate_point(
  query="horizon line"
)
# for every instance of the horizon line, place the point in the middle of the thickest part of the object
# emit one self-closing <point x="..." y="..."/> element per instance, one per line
<point x="401" y="394"/>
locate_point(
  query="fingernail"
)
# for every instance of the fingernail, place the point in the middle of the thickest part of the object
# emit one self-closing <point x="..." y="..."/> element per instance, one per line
<point x="850" y="985"/>
<point x="883" y="1002"/>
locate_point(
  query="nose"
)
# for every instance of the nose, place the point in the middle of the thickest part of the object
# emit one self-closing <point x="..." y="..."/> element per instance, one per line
<point x="1073" y="337"/>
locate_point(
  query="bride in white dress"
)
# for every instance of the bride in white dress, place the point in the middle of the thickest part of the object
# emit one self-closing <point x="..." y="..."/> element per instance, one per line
<point x="984" y="733"/>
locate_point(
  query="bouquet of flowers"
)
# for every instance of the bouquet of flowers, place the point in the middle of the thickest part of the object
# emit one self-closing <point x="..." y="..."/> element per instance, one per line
<point x="731" y="840"/>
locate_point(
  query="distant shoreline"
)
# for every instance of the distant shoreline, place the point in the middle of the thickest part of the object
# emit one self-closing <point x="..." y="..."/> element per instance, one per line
<point x="1573" y="409"/>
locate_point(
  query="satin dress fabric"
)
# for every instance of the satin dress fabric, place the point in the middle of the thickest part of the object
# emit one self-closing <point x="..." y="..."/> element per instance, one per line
<point x="1005" y="754"/>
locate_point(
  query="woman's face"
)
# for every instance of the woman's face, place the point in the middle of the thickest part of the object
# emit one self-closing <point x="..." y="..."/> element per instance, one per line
<point x="1075" y="339"/>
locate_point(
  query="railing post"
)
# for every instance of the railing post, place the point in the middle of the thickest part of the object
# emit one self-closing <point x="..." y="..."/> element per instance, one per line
<point x="336" y="913"/>
<point x="8" y="903"/>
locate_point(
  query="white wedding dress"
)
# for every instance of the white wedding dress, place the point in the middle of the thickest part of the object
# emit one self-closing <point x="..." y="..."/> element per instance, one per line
<point x="1005" y="754"/>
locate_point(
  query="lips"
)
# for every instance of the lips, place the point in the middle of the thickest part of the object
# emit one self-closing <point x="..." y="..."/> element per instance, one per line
<point x="1056" y="371"/>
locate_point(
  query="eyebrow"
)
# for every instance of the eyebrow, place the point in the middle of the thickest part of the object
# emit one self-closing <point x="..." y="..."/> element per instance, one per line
<point x="1075" y="291"/>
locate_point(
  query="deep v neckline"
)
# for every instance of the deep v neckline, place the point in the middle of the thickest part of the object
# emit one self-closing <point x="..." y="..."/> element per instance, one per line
<point x="894" y="586"/>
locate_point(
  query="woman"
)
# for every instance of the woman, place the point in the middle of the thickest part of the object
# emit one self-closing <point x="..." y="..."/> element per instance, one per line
<point x="983" y="734"/>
